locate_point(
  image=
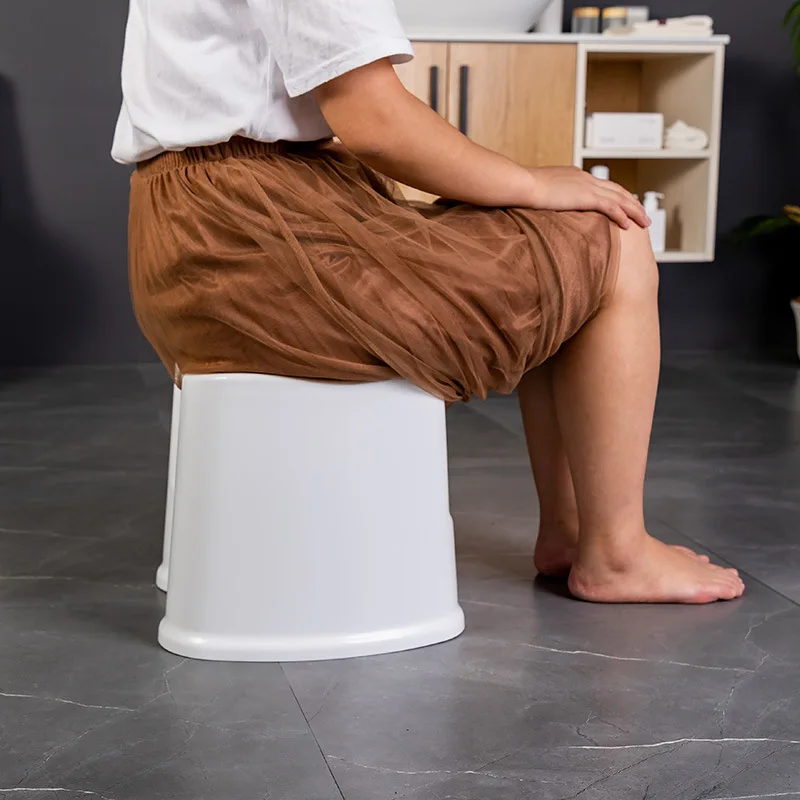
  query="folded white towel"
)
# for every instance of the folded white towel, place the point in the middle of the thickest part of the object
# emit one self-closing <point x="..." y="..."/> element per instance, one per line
<point x="681" y="136"/>
<point x="694" y="27"/>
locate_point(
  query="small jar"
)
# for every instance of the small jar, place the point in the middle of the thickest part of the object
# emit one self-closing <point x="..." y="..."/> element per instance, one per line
<point x="614" y="17"/>
<point x="586" y="20"/>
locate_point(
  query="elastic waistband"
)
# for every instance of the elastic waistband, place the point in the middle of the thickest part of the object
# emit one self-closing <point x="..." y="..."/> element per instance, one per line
<point x="238" y="147"/>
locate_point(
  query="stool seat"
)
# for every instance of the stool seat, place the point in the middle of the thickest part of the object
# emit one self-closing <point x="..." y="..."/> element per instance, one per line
<point x="311" y="521"/>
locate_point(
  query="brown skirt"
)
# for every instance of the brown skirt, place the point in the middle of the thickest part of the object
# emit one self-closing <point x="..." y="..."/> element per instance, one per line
<point x="298" y="260"/>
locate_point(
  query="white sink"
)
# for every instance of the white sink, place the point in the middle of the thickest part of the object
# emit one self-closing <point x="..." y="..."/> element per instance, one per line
<point x="469" y="16"/>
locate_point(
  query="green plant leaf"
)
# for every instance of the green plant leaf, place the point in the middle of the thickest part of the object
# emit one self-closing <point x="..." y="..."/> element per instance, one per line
<point x="792" y="22"/>
<point x="793" y="9"/>
<point x="759" y="226"/>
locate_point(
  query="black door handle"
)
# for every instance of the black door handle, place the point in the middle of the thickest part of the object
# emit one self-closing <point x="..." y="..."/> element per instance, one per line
<point x="434" y="88"/>
<point x="463" y="99"/>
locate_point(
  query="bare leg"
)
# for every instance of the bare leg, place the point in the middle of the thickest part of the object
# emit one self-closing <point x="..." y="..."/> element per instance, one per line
<point x="557" y="542"/>
<point x="605" y="382"/>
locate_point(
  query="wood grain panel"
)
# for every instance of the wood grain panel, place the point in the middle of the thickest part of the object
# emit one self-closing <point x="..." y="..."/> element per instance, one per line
<point x="613" y="86"/>
<point x="430" y="64"/>
<point x="416" y="75"/>
<point x="520" y="99"/>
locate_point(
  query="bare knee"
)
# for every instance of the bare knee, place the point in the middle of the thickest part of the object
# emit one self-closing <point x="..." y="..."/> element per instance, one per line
<point x="638" y="271"/>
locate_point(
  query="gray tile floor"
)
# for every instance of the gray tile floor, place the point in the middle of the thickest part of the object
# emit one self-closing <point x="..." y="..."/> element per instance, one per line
<point x="543" y="697"/>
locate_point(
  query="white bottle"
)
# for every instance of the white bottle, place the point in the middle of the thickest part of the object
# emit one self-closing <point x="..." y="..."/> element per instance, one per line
<point x="601" y="172"/>
<point x="658" y="218"/>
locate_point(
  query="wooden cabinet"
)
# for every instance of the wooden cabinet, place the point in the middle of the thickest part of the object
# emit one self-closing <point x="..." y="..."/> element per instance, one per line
<point x="529" y="97"/>
<point x="516" y="99"/>
<point x="426" y="75"/>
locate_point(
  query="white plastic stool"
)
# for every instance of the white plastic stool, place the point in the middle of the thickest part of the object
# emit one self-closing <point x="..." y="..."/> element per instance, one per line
<point x="162" y="574"/>
<point x="311" y="521"/>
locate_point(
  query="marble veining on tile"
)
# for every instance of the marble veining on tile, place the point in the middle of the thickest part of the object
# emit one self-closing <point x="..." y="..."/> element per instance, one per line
<point x="543" y="697"/>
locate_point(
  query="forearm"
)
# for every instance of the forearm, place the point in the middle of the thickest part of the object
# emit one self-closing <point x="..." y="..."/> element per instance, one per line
<point x="404" y="139"/>
<point x="388" y="128"/>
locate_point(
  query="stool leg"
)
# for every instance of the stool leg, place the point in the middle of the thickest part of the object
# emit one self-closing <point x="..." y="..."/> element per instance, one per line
<point x="162" y="575"/>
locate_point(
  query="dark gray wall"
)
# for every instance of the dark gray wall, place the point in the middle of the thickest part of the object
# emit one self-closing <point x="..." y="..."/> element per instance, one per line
<point x="63" y="202"/>
<point x="64" y="296"/>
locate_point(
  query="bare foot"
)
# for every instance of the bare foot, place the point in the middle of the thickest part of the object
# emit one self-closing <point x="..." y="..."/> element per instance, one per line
<point x="557" y="549"/>
<point x="687" y="552"/>
<point x="655" y="573"/>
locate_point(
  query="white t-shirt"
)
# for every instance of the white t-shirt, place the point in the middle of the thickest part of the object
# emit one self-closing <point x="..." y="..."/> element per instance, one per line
<point x="197" y="72"/>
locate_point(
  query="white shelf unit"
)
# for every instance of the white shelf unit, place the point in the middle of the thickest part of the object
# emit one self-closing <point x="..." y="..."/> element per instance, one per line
<point x="678" y="256"/>
<point x="593" y="154"/>
<point x="683" y="82"/>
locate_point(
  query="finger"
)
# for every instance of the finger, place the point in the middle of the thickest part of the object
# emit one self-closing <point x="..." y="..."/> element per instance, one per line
<point x="613" y="187"/>
<point x="629" y="195"/>
<point x="633" y="209"/>
<point x="623" y="193"/>
<point x="614" y="212"/>
<point x="637" y="213"/>
<point x="602" y="183"/>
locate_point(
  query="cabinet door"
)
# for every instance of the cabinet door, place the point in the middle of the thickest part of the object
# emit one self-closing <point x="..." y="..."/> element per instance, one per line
<point x="516" y="99"/>
<point x="426" y="77"/>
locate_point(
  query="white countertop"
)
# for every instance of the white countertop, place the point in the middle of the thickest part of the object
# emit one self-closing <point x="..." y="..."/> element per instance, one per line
<point x="566" y="38"/>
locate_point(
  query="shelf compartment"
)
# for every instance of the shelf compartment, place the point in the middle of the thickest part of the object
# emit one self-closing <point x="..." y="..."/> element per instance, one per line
<point x="679" y="85"/>
<point x="689" y="206"/>
<point x="681" y="256"/>
<point x="682" y="155"/>
<point x="682" y="82"/>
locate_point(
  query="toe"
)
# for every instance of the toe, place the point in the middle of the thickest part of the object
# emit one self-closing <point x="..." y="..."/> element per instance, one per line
<point x="735" y="587"/>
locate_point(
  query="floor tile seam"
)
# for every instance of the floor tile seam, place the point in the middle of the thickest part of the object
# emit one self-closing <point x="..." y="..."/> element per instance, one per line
<point x="313" y="734"/>
<point x="718" y="555"/>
